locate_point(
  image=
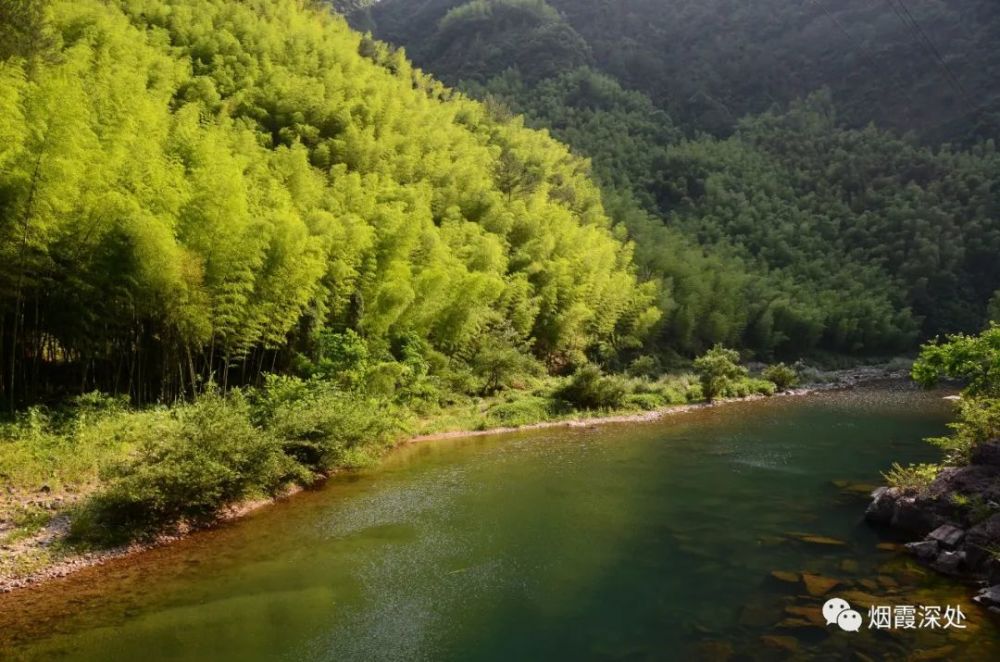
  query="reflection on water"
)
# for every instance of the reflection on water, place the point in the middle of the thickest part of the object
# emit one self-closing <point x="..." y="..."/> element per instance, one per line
<point x="685" y="537"/>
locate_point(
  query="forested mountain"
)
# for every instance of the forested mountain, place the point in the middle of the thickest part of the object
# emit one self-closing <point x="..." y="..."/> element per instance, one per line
<point x="193" y="189"/>
<point x="923" y="66"/>
<point x="792" y="231"/>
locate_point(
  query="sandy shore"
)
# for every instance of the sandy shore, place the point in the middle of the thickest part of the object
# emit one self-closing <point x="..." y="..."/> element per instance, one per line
<point x="58" y="528"/>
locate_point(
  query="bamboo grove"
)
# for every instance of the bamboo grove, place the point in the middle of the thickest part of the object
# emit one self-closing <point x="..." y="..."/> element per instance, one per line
<point x="196" y="190"/>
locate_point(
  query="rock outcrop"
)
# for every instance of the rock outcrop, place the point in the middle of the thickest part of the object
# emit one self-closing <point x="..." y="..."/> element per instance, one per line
<point x="955" y="521"/>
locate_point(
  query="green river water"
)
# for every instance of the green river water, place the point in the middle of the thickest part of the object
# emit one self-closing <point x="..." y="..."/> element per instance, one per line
<point x="648" y="541"/>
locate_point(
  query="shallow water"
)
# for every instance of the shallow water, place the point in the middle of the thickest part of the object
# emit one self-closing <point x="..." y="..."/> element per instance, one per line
<point x="640" y="541"/>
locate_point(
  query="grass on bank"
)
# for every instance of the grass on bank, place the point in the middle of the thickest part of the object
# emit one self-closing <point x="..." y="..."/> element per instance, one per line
<point x="131" y="474"/>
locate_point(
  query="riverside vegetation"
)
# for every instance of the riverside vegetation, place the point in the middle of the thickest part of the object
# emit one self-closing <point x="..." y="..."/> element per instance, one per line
<point x="122" y="475"/>
<point x="243" y="246"/>
<point x="955" y="504"/>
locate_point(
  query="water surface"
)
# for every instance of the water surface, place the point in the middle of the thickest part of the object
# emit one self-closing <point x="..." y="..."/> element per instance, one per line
<point x="626" y="542"/>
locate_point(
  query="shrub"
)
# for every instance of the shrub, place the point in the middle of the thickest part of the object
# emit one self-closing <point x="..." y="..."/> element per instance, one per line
<point x="501" y="362"/>
<point x="978" y="421"/>
<point x="199" y="459"/>
<point x="66" y="447"/>
<point x="342" y="358"/>
<point x="747" y="386"/>
<point x="911" y="478"/>
<point x="718" y="369"/>
<point x="322" y="427"/>
<point x="645" y="401"/>
<point x="589" y="388"/>
<point x="523" y="410"/>
<point x="782" y="376"/>
<point x="974" y="359"/>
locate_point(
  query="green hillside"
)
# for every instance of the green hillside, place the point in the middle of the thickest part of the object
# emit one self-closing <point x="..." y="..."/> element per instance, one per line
<point x="803" y="227"/>
<point x="202" y="189"/>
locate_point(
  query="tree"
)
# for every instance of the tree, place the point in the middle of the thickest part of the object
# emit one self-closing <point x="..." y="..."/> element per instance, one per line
<point x="784" y="377"/>
<point x="976" y="361"/>
<point x="973" y="359"/>
<point x="718" y="369"/>
<point x="22" y="28"/>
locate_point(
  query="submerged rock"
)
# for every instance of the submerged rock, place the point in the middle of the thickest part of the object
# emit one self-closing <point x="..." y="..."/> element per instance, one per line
<point x="821" y="540"/>
<point x="927" y="655"/>
<point x="782" y="643"/>
<point x="850" y="566"/>
<point x="785" y="576"/>
<point x="813" y="615"/>
<point x="817" y="585"/>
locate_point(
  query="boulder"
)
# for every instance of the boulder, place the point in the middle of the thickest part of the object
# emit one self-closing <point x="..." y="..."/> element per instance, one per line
<point x="925" y="550"/>
<point x="949" y="563"/>
<point x="882" y="507"/>
<point x="989" y="597"/>
<point x="987" y="453"/>
<point x="981" y="539"/>
<point x="947" y="535"/>
<point x="916" y="515"/>
<point x="992" y="571"/>
<point x="982" y="480"/>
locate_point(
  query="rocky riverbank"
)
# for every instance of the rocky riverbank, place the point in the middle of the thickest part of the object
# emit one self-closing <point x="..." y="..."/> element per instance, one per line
<point x="955" y="521"/>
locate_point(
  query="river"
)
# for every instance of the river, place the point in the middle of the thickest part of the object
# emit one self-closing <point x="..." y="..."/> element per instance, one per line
<point x="621" y="542"/>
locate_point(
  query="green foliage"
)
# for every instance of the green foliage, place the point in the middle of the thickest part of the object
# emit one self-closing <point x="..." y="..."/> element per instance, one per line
<point x="976" y="361"/>
<point x="978" y="421"/>
<point x="975" y="507"/>
<point x="201" y="458"/>
<point x="482" y="38"/>
<point x="589" y="388"/>
<point x="719" y="371"/>
<point x="500" y="365"/>
<point x="183" y="198"/>
<point x="65" y="448"/>
<point x="23" y="31"/>
<point x="27" y="521"/>
<point x="520" y="410"/>
<point x="324" y="428"/>
<point x="911" y="478"/>
<point x="782" y="376"/>
<point x="973" y="359"/>
<point x="342" y="358"/>
<point x="747" y="386"/>
<point x="644" y="366"/>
